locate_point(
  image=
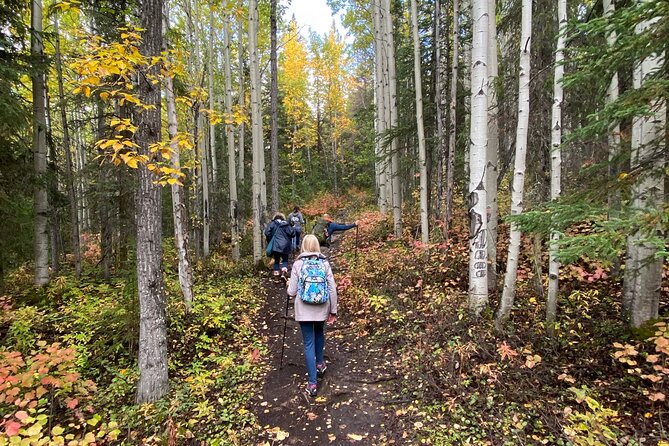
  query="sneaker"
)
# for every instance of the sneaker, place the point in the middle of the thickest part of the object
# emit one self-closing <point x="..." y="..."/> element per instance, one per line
<point x="320" y="369"/>
<point x="284" y="271"/>
<point x="312" y="389"/>
<point x="275" y="272"/>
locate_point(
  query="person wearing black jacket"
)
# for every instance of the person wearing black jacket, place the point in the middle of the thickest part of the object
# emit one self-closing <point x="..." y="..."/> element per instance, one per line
<point x="283" y="233"/>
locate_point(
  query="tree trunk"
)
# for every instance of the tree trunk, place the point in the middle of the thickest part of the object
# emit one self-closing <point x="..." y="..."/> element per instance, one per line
<point x="242" y="99"/>
<point x="478" y="268"/>
<point x="493" y="146"/>
<point x="380" y="118"/>
<point x="178" y="202"/>
<point x="517" y="189"/>
<point x="614" y="131"/>
<point x="41" y="201"/>
<point x="153" y="376"/>
<point x="229" y="131"/>
<point x="71" y="193"/>
<point x="392" y="104"/>
<point x="643" y="271"/>
<point x="422" y="156"/>
<point x="450" y="164"/>
<point x="556" y="167"/>
<point x="256" y="131"/>
<point x="212" y="102"/>
<point x="274" y="103"/>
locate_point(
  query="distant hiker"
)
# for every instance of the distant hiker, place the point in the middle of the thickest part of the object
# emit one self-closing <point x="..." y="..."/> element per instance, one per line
<point x="279" y="233"/>
<point x="313" y="286"/>
<point x="332" y="227"/>
<point x="296" y="219"/>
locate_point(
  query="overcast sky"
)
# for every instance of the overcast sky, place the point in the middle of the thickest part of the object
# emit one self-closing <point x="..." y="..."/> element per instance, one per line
<point x="314" y="14"/>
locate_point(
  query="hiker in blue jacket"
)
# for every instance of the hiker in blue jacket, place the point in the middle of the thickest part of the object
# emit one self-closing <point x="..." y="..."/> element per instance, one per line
<point x="282" y="232"/>
<point x="332" y="227"/>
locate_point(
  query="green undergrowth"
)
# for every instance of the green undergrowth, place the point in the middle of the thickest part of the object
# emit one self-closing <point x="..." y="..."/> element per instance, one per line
<point x="92" y="328"/>
<point x="465" y="383"/>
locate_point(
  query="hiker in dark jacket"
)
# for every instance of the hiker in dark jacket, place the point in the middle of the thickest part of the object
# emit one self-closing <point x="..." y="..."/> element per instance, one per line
<point x="296" y="219"/>
<point x="283" y="233"/>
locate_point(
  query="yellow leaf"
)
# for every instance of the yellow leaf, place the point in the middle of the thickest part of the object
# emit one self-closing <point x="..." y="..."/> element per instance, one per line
<point x="355" y="437"/>
<point x="104" y="95"/>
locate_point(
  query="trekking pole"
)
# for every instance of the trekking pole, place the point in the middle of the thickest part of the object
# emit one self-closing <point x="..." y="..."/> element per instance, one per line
<point x="355" y="256"/>
<point x="285" y="322"/>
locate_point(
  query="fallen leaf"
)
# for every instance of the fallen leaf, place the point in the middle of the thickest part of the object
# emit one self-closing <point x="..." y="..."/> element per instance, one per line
<point x="355" y="437"/>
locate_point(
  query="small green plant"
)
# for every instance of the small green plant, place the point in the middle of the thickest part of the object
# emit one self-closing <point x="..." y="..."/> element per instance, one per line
<point x="593" y="425"/>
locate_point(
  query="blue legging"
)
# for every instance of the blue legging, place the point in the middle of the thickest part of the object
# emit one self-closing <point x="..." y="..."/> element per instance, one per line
<point x="333" y="227"/>
<point x="313" y="335"/>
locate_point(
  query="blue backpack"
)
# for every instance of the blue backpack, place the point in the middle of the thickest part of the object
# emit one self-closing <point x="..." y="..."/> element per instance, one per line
<point x="312" y="283"/>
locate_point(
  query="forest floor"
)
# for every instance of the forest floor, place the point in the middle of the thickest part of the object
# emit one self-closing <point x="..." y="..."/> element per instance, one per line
<point x="355" y="402"/>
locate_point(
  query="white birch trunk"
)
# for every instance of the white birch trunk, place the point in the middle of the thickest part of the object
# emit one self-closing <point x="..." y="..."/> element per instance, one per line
<point x="241" y="99"/>
<point x="256" y="131"/>
<point x="478" y="256"/>
<point x="212" y="102"/>
<point x="556" y="166"/>
<point x="41" y="204"/>
<point x="614" y="131"/>
<point x="380" y="120"/>
<point x="450" y="173"/>
<point x="518" y="189"/>
<point x="204" y="177"/>
<point x="493" y="146"/>
<point x="179" y="214"/>
<point x="422" y="156"/>
<point x="392" y="94"/>
<point x="229" y="131"/>
<point x="467" y="84"/>
<point x="643" y="272"/>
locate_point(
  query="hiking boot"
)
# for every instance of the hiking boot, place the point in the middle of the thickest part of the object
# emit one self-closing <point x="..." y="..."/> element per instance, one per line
<point x="320" y="369"/>
<point x="312" y="389"/>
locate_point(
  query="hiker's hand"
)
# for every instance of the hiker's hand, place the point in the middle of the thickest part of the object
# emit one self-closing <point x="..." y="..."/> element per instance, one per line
<point x="332" y="318"/>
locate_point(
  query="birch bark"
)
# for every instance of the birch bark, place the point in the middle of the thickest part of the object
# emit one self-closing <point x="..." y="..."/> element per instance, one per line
<point x="556" y="166"/>
<point x="41" y="201"/>
<point x="478" y="268"/>
<point x="493" y="146"/>
<point x="614" y="132"/>
<point x="517" y="189"/>
<point x="229" y="131"/>
<point x="256" y="131"/>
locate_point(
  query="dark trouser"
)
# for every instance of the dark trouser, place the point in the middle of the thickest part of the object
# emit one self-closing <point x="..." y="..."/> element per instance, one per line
<point x="296" y="239"/>
<point x="280" y="260"/>
<point x="334" y="227"/>
<point x="313" y="335"/>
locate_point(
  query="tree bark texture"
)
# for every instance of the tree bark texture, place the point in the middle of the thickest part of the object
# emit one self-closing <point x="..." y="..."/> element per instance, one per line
<point x="256" y="131"/>
<point x="380" y="119"/>
<point x="212" y="99"/>
<point x="153" y="380"/>
<point x="229" y="132"/>
<point x="517" y="188"/>
<point x="274" y="109"/>
<point x="614" y="132"/>
<point x="452" y="129"/>
<point x="556" y="167"/>
<point x="422" y="155"/>
<point x="478" y="268"/>
<point x="41" y="200"/>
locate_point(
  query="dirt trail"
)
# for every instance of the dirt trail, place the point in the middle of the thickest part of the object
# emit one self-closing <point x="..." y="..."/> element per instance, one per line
<point x="355" y="397"/>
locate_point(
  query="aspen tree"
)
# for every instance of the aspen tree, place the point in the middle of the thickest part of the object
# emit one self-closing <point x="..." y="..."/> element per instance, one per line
<point x="556" y="165"/>
<point x="241" y="99"/>
<point x="41" y="200"/>
<point x="256" y="131"/>
<point x="380" y="111"/>
<point x="274" y="109"/>
<point x="212" y="99"/>
<point x="517" y="189"/>
<point x="614" y="132"/>
<point x="391" y="102"/>
<point x="422" y="156"/>
<point x="643" y="270"/>
<point x="229" y="132"/>
<point x="178" y="203"/>
<point x="478" y="135"/>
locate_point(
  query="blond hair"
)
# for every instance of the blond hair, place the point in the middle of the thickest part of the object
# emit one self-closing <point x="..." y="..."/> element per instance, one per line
<point x="310" y="244"/>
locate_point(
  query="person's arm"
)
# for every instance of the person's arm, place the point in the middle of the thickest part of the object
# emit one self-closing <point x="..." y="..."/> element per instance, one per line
<point x="268" y="231"/>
